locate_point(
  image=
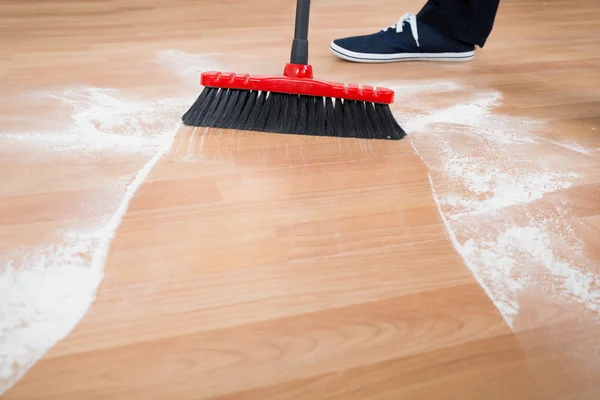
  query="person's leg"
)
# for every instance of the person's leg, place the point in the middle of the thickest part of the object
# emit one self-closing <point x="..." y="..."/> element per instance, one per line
<point x="444" y="30"/>
<point x="470" y="21"/>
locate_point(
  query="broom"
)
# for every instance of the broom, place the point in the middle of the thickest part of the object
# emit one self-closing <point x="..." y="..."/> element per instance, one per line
<point x="294" y="103"/>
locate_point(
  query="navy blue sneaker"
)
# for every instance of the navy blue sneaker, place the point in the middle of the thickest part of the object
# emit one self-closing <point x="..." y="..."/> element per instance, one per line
<point x="395" y="43"/>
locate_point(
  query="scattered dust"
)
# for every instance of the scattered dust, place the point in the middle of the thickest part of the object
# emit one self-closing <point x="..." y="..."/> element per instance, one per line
<point x="104" y="120"/>
<point x="482" y="155"/>
<point x="47" y="289"/>
<point x="572" y="146"/>
<point x="492" y="177"/>
<point x="44" y="293"/>
<point x="188" y="66"/>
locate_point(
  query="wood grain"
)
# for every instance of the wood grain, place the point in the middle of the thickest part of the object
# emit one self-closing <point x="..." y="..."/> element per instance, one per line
<point x="261" y="266"/>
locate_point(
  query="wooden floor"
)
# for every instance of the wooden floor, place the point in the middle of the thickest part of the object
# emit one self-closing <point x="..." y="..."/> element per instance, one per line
<point x="262" y="266"/>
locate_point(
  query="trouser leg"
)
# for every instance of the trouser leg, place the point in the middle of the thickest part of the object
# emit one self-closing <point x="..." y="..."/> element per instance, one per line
<point x="469" y="21"/>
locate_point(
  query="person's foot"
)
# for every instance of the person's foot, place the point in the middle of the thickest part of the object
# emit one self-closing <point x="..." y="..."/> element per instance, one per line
<point x="408" y="40"/>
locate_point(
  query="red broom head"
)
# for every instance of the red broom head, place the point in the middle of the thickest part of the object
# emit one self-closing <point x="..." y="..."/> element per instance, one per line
<point x="297" y="79"/>
<point x="293" y="103"/>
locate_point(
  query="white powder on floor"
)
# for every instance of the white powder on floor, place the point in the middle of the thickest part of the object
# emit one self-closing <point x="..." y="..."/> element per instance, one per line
<point x="188" y="66"/>
<point x="495" y="180"/>
<point x="104" y="120"/>
<point x="46" y="290"/>
<point x="572" y="146"/>
<point x="514" y="258"/>
<point x="50" y="288"/>
<point x="492" y="172"/>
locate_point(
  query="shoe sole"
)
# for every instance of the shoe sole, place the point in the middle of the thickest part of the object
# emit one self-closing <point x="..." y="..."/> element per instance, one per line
<point x="386" y="58"/>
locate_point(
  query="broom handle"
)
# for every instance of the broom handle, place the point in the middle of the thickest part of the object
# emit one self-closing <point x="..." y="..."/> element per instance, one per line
<point x="300" y="43"/>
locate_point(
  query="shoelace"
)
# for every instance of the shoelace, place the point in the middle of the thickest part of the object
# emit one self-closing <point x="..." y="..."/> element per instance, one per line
<point x="412" y="22"/>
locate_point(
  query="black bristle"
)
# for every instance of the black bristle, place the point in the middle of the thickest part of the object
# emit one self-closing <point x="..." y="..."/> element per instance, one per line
<point x="363" y="119"/>
<point x="311" y="116"/>
<point x="330" y="128"/>
<point x="215" y="118"/>
<point x="196" y="113"/>
<point x="302" y="115"/>
<point x="236" y="109"/>
<point x="198" y="106"/>
<point x="263" y="113"/>
<point x="339" y="128"/>
<point x="352" y="118"/>
<point x="290" y="106"/>
<point x="374" y="122"/>
<point x="251" y="122"/>
<point x="316" y="116"/>
<point x="292" y="113"/>
<point x="276" y="113"/>
<point x="212" y="108"/>
<point x="391" y="129"/>
<point x="247" y="108"/>
<point x="229" y="109"/>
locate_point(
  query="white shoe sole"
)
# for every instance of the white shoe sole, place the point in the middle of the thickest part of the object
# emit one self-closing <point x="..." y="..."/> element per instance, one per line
<point x="385" y="58"/>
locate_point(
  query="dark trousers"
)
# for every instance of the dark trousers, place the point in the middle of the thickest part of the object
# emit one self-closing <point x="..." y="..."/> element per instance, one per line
<point x="469" y="21"/>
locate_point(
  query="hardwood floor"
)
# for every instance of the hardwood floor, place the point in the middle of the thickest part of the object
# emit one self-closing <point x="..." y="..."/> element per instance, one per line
<point x="244" y="265"/>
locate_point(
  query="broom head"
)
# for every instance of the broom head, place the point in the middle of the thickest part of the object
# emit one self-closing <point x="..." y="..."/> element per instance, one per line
<point x="294" y="103"/>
